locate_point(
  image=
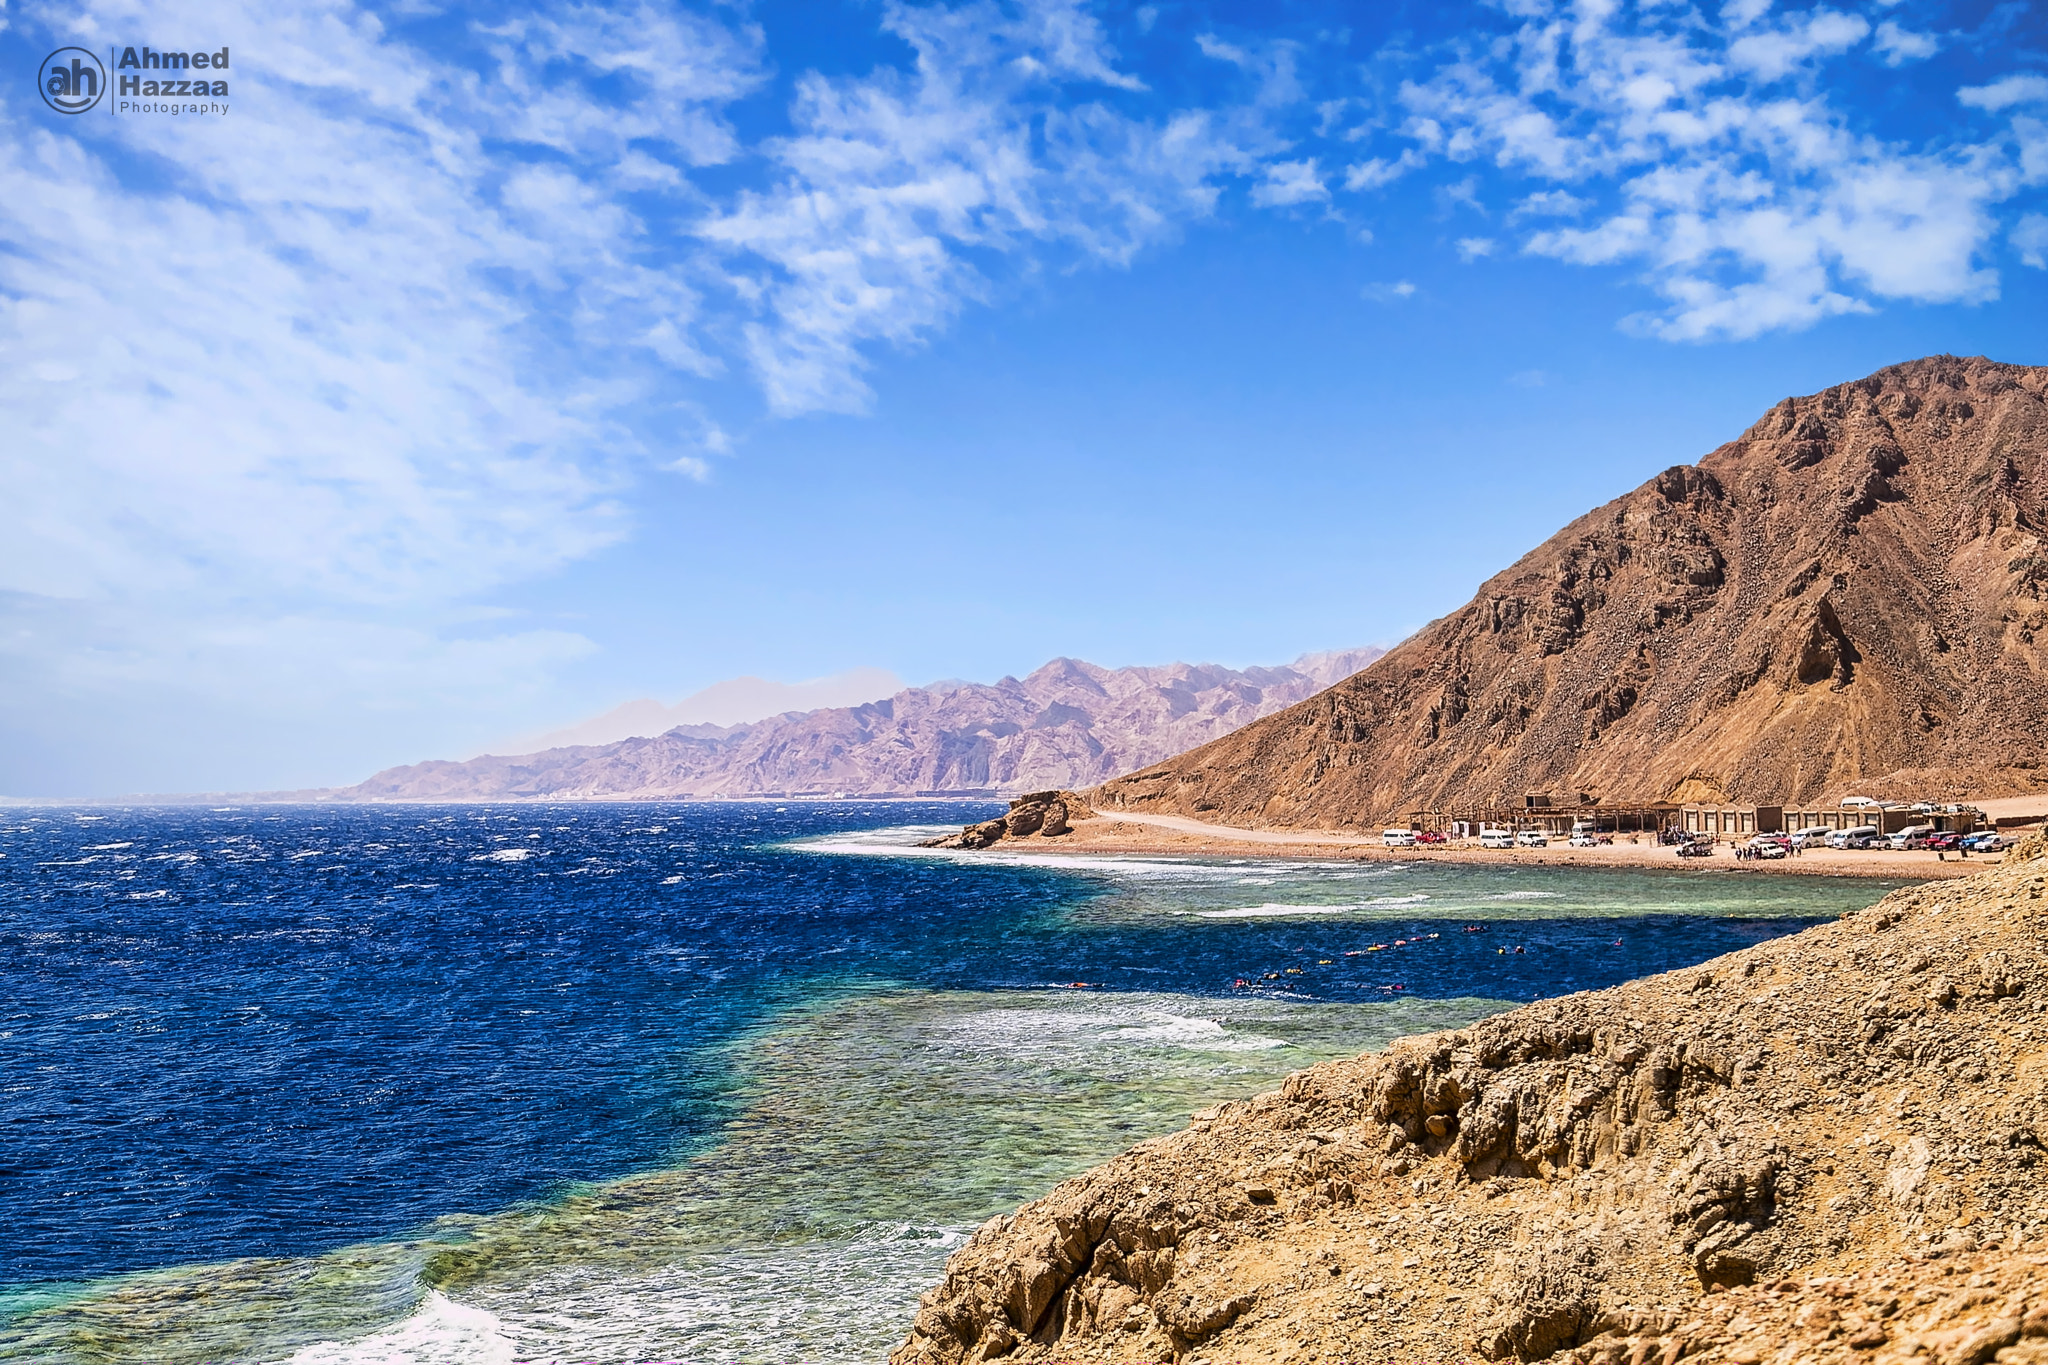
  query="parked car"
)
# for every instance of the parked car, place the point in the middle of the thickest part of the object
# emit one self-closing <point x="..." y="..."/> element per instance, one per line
<point x="1989" y="841"/>
<point x="1947" y="841"/>
<point x="1912" y="836"/>
<point x="1496" y="838"/>
<point x="1431" y="836"/>
<point x="1397" y="838"/>
<point x="1697" y="848"/>
<point x="1857" y="836"/>
<point x="1585" y="841"/>
<point x="1813" y="836"/>
<point x="1532" y="838"/>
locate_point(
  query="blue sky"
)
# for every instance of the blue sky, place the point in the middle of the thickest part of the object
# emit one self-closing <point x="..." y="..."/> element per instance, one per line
<point x="486" y="366"/>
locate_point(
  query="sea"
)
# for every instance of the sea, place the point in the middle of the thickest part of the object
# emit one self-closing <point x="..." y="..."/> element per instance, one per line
<point x="703" y="1082"/>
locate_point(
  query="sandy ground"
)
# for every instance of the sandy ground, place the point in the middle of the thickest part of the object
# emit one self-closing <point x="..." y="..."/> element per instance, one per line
<point x="1169" y="834"/>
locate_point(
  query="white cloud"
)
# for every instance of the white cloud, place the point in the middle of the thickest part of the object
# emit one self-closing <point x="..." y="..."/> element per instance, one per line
<point x="2004" y="94"/>
<point x="1740" y="14"/>
<point x="285" y="389"/>
<point x="1899" y="46"/>
<point x="1289" y="182"/>
<point x="1473" y="248"/>
<point x="1743" y="196"/>
<point x="1371" y="175"/>
<point x="1392" y="292"/>
<point x="889" y="180"/>
<point x="1773" y="55"/>
<point x="310" y="342"/>
<point x="2030" y="239"/>
<point x="1550" y="204"/>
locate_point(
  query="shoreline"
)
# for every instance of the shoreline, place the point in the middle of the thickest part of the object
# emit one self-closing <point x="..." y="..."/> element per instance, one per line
<point x="1171" y="835"/>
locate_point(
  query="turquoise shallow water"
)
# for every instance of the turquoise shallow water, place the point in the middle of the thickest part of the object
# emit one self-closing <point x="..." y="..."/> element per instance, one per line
<point x="703" y="1083"/>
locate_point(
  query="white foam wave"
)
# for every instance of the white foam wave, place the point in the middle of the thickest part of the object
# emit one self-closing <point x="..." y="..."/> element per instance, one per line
<point x="1206" y="1035"/>
<point x="440" y="1332"/>
<point x="1527" y="896"/>
<point x="504" y="855"/>
<point x="1275" y="908"/>
<point x="1045" y="1032"/>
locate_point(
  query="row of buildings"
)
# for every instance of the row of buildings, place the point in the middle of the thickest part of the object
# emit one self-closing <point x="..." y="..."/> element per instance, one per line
<point x="1731" y="820"/>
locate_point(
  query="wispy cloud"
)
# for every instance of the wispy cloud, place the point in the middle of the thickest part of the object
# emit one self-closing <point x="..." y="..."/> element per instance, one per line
<point x="889" y="181"/>
<point x="2030" y="239"/>
<point x="1289" y="182"/>
<point x="1899" y="45"/>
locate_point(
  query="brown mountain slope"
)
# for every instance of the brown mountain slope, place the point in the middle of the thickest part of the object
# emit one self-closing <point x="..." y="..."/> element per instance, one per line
<point x="1850" y="595"/>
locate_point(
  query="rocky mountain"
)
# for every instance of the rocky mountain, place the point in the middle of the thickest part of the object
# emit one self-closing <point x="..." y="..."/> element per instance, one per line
<point x="1826" y="1148"/>
<point x="1851" y="597"/>
<point x="1069" y="724"/>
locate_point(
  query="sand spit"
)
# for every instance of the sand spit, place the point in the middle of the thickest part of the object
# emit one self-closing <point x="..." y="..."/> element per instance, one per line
<point x="1824" y="1148"/>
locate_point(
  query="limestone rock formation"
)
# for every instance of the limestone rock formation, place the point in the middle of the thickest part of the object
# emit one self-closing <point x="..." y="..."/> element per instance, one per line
<point x="1047" y="815"/>
<point x="1836" y="1138"/>
<point x="1069" y="724"/>
<point x="1852" y="596"/>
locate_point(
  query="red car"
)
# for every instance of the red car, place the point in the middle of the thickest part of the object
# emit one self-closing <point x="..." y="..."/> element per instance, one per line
<point x="1947" y="839"/>
<point x="1430" y="836"/>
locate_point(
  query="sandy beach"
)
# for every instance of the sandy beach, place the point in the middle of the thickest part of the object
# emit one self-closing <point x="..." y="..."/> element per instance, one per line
<point x="1125" y="832"/>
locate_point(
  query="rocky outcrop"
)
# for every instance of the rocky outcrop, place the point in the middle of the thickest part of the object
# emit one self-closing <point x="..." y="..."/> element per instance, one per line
<point x="1835" y="1138"/>
<point x="1069" y="724"/>
<point x="1852" y="597"/>
<point x="1045" y="815"/>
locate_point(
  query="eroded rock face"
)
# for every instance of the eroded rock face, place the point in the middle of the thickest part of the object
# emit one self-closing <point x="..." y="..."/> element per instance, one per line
<point x="1852" y="593"/>
<point x="1853" y="1106"/>
<point x="1045" y="814"/>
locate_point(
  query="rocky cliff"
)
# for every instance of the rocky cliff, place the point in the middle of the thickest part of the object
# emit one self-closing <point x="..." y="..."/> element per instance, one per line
<point x="1069" y="724"/>
<point x="1852" y="595"/>
<point x="1034" y="815"/>
<point x="1827" y="1147"/>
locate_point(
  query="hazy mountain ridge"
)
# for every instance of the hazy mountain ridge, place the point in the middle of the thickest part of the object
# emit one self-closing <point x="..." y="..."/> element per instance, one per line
<point x="1851" y="595"/>
<point x="1068" y="724"/>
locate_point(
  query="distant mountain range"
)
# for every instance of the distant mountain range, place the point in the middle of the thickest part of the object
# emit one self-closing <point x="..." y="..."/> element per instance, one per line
<point x="1851" y="598"/>
<point x="1069" y="724"/>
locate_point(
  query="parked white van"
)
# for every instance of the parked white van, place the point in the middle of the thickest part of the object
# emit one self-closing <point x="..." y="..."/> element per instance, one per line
<point x="1811" y="837"/>
<point x="1496" y="838"/>
<point x="1861" y="836"/>
<point x="1398" y="838"/>
<point x="1906" y="837"/>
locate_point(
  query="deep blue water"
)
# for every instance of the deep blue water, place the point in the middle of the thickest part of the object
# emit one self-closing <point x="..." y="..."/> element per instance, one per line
<point x="262" y="1031"/>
